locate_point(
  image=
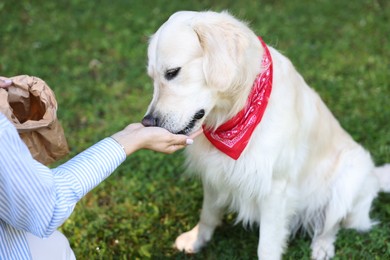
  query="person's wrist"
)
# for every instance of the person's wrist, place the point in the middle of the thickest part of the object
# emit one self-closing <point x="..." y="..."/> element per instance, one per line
<point x="119" y="143"/>
<point x="130" y="143"/>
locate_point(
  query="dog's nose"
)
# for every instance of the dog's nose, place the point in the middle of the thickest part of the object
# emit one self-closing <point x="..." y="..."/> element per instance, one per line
<point x="150" y="120"/>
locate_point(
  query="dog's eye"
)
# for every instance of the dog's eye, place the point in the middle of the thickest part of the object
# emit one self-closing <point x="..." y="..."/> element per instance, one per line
<point x="171" y="73"/>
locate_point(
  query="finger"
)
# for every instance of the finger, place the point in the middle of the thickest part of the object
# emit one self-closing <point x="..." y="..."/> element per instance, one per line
<point x="181" y="140"/>
<point x="190" y="139"/>
<point x="196" y="133"/>
<point x="4" y="82"/>
<point x="175" y="148"/>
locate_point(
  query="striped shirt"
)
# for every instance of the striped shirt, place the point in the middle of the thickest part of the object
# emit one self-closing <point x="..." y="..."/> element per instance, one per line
<point x="36" y="199"/>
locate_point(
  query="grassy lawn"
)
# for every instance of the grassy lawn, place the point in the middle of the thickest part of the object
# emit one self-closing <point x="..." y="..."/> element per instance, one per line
<point x="93" y="55"/>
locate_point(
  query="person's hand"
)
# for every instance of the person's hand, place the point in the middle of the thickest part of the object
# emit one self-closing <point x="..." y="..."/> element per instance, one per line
<point x="5" y="82"/>
<point x="136" y="136"/>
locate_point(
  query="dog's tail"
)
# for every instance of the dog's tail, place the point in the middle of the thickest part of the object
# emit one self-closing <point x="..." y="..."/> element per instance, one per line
<point x="383" y="175"/>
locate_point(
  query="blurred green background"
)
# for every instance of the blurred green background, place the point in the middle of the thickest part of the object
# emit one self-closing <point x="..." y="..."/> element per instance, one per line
<point x="93" y="55"/>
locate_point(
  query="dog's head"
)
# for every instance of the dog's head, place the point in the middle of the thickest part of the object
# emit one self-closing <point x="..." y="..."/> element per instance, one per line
<point x="203" y="65"/>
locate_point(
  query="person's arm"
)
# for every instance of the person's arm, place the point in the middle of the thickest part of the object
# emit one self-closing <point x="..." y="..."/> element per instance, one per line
<point x="84" y="172"/>
<point x="37" y="199"/>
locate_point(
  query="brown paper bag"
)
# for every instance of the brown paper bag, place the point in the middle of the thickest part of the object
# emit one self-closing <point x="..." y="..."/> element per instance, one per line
<point x="31" y="106"/>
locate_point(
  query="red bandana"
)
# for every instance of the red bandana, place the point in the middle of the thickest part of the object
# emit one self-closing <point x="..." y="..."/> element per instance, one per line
<point x="232" y="137"/>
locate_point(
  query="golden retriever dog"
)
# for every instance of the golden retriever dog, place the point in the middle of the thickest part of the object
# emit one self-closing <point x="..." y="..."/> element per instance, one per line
<point x="271" y="150"/>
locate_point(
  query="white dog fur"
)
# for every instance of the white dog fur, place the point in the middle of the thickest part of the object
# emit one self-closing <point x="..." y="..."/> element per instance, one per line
<point x="300" y="167"/>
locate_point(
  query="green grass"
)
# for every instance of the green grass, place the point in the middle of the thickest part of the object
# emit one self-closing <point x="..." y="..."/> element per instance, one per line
<point x="93" y="55"/>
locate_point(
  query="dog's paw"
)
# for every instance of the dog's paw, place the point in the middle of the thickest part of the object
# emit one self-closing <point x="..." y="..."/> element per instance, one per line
<point x="190" y="242"/>
<point x="187" y="243"/>
<point x="322" y="250"/>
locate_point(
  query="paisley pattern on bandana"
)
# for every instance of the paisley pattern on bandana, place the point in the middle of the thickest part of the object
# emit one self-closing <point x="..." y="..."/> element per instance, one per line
<point x="232" y="137"/>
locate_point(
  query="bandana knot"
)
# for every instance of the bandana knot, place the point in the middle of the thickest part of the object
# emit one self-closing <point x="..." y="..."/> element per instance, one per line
<point x="233" y="136"/>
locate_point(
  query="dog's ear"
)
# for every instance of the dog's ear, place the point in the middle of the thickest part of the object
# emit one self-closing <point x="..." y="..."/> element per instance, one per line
<point x="223" y="40"/>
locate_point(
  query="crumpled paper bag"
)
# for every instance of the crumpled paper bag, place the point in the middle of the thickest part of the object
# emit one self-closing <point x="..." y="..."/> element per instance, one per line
<point x="31" y="106"/>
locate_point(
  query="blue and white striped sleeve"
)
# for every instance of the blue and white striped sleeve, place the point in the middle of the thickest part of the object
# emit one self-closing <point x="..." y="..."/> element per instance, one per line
<point x="37" y="199"/>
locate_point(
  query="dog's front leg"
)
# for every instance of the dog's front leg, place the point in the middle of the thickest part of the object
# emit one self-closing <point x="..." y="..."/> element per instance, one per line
<point x="211" y="215"/>
<point x="273" y="224"/>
